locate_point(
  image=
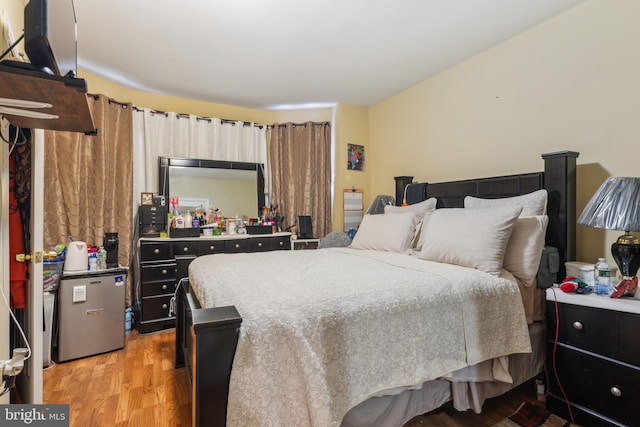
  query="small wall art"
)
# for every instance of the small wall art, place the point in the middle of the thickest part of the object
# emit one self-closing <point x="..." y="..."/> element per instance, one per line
<point x="146" y="199"/>
<point x="355" y="157"/>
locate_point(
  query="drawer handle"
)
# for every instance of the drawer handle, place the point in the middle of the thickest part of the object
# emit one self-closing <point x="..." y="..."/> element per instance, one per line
<point x="237" y="245"/>
<point x="212" y="248"/>
<point x="616" y="391"/>
<point x="281" y="243"/>
<point x="164" y="272"/>
<point x="156" y="251"/>
<point x="577" y="325"/>
<point x="164" y="287"/>
<point x="185" y="249"/>
<point x="259" y="244"/>
<point x="164" y="306"/>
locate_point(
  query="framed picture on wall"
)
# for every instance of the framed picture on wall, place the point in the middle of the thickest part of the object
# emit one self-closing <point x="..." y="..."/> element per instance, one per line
<point x="355" y="157"/>
<point x="146" y="199"/>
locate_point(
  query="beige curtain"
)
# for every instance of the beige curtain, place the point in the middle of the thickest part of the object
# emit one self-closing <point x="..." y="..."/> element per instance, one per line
<point x="300" y="156"/>
<point x="88" y="180"/>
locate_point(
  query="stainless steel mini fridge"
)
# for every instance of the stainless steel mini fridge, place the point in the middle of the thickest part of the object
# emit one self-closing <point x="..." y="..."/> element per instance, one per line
<point x="91" y="308"/>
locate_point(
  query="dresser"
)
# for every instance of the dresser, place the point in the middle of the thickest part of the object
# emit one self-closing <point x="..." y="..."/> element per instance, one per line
<point x="162" y="262"/>
<point x="597" y="358"/>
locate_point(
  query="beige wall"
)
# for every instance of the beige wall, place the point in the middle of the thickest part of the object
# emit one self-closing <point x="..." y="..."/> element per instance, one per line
<point x="351" y="127"/>
<point x="570" y="83"/>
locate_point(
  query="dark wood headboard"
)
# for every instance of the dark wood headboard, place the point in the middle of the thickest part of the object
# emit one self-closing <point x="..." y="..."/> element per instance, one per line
<point x="558" y="178"/>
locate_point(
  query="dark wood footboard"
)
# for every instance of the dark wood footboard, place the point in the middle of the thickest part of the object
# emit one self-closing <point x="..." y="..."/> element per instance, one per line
<point x="206" y="341"/>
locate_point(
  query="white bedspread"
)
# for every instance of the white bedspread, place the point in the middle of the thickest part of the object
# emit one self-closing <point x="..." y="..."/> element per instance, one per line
<point x="323" y="330"/>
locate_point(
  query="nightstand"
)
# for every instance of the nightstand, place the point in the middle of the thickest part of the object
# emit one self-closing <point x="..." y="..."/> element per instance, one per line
<point x="597" y="358"/>
<point x="298" y="244"/>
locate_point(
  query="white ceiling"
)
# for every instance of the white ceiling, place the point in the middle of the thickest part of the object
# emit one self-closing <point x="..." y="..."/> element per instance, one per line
<point x="275" y="53"/>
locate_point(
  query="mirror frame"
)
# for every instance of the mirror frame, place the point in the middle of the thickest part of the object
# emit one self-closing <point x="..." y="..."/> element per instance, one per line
<point x="165" y="163"/>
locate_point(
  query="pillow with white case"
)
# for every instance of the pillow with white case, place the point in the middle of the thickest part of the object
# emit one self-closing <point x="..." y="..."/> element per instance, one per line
<point x="418" y="208"/>
<point x="524" y="249"/>
<point x="475" y="238"/>
<point x="386" y="232"/>
<point x="532" y="204"/>
<point x="421" y="210"/>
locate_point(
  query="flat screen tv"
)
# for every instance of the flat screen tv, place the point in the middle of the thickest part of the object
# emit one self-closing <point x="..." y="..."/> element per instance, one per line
<point x="50" y="37"/>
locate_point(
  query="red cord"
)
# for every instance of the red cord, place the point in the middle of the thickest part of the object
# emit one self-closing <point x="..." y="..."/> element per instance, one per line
<point x="553" y="358"/>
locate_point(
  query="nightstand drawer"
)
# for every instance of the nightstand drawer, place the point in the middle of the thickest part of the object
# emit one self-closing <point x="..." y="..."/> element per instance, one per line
<point x="300" y="244"/>
<point x="158" y="272"/>
<point x="602" y="385"/>
<point x="629" y="339"/>
<point x="587" y="328"/>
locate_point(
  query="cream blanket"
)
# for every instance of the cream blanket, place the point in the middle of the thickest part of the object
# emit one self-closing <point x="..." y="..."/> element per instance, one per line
<point x="324" y="330"/>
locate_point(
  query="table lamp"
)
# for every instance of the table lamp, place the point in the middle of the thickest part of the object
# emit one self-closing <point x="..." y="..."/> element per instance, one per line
<point x="616" y="206"/>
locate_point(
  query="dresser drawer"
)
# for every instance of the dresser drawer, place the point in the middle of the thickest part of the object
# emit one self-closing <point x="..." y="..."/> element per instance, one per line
<point x="236" y="246"/>
<point x="156" y="307"/>
<point x="587" y="328"/>
<point x="602" y="385"/>
<point x="158" y="288"/>
<point x="155" y="251"/>
<point x="186" y="247"/>
<point x="209" y="247"/>
<point x="281" y="243"/>
<point x="161" y="272"/>
<point x="260" y="244"/>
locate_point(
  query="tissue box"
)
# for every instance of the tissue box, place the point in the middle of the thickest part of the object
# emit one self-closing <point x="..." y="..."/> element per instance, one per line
<point x="581" y="270"/>
<point x="585" y="272"/>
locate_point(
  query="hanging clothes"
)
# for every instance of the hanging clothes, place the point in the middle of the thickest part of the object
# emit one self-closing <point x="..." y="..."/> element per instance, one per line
<point x="17" y="270"/>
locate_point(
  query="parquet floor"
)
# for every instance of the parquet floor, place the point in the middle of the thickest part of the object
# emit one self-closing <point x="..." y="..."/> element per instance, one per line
<point x="138" y="386"/>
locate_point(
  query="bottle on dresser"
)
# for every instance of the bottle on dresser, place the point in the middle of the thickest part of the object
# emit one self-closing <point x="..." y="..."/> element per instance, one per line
<point x="602" y="273"/>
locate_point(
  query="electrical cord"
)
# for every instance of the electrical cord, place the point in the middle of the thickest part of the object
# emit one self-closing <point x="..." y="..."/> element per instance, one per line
<point x="553" y="357"/>
<point x="6" y="52"/>
<point x="9" y="381"/>
<point x="172" y="303"/>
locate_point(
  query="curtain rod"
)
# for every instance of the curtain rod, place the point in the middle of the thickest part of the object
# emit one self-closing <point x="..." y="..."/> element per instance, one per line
<point x="303" y="124"/>
<point x="208" y="119"/>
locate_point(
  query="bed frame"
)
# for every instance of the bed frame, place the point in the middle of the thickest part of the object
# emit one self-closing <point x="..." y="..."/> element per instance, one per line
<point x="206" y="339"/>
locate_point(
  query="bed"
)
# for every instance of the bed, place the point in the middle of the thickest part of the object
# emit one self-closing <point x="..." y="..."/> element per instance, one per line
<point x="368" y="335"/>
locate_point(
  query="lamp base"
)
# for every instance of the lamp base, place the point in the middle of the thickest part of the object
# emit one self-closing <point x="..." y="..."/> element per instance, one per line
<point x="626" y="253"/>
<point x="626" y="288"/>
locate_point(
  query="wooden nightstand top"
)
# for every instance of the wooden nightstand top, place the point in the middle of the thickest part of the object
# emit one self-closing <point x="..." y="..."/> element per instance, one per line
<point x="628" y="305"/>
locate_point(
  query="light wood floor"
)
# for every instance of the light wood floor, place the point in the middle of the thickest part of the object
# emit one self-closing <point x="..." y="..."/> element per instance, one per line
<point x="138" y="386"/>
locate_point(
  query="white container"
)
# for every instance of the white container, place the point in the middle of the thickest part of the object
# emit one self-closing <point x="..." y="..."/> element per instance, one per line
<point x="586" y="272"/>
<point x="77" y="257"/>
<point x="581" y="270"/>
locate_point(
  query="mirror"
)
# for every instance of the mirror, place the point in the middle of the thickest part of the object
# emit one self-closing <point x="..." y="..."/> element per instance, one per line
<point x="236" y="188"/>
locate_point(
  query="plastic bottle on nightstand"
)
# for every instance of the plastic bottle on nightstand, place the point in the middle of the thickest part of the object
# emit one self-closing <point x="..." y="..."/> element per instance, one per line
<point x="602" y="278"/>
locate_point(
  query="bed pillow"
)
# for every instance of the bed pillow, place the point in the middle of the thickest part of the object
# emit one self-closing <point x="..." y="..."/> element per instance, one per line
<point x="419" y="209"/>
<point x="475" y="238"/>
<point x="524" y="249"/>
<point x="386" y="232"/>
<point x="532" y="204"/>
